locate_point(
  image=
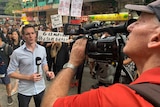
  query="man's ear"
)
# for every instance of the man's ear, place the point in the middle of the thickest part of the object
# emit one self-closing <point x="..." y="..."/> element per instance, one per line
<point x="154" y="41"/>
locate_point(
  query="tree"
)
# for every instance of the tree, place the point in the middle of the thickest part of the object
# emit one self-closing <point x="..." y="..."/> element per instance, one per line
<point x="12" y="5"/>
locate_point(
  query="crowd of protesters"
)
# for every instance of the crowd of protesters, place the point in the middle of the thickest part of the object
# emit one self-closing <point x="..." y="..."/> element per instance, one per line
<point x="57" y="54"/>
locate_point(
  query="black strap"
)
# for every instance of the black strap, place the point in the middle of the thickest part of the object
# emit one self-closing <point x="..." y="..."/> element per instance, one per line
<point x="149" y="91"/>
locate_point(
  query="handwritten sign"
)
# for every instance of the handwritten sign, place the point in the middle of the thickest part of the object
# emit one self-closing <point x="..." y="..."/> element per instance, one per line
<point x="76" y="8"/>
<point x="52" y="36"/>
<point x="64" y="7"/>
<point x="56" y="21"/>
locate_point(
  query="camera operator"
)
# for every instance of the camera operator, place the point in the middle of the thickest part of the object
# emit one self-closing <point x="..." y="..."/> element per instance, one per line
<point x="143" y="47"/>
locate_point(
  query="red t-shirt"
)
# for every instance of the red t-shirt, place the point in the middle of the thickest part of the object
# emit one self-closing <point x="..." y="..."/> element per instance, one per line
<point x="117" y="95"/>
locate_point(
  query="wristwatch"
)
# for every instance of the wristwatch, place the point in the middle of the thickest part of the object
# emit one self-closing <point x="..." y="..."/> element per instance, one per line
<point x="69" y="65"/>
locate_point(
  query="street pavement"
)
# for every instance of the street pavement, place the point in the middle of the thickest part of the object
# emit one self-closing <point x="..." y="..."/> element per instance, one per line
<point x="87" y="81"/>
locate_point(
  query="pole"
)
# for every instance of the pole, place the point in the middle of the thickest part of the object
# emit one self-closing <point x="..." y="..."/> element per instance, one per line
<point x="69" y="17"/>
<point x="37" y="12"/>
<point x="14" y="16"/>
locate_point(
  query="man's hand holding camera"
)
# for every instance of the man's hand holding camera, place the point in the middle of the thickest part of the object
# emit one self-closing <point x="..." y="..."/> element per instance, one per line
<point x="77" y="55"/>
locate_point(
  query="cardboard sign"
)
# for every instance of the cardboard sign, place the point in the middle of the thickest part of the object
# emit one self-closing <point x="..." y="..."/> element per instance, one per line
<point x="76" y="8"/>
<point x="56" y="21"/>
<point x="51" y="36"/>
<point x="64" y="7"/>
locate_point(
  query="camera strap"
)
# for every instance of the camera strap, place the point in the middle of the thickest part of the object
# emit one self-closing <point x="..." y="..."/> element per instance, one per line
<point x="120" y="61"/>
<point x="150" y="92"/>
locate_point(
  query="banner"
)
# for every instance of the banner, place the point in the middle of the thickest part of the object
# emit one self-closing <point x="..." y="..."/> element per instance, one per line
<point x="51" y="36"/>
<point x="56" y="21"/>
<point x="64" y="7"/>
<point x="76" y="8"/>
<point x="109" y="17"/>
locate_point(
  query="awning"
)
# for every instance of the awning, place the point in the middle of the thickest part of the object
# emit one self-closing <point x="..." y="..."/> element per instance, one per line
<point x="38" y="8"/>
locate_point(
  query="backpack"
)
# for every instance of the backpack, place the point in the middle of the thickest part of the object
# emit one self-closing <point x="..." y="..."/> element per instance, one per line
<point x="6" y="49"/>
<point x="21" y="42"/>
<point x="3" y="66"/>
<point x="150" y="92"/>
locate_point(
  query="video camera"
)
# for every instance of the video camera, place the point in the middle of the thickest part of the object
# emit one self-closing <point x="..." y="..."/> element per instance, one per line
<point x="107" y="49"/>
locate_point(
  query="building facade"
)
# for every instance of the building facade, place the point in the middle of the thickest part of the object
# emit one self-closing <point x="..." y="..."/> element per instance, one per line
<point x="2" y="6"/>
<point x="43" y="9"/>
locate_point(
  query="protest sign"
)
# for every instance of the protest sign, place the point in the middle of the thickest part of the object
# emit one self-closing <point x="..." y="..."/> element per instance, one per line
<point x="56" y="21"/>
<point x="76" y="8"/>
<point x="52" y="36"/>
<point x="64" y="7"/>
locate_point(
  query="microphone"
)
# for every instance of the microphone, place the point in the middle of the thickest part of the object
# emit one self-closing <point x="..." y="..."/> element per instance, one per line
<point x="38" y="62"/>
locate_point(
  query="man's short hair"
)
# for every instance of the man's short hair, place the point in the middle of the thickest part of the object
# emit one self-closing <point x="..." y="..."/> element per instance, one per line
<point x="27" y="26"/>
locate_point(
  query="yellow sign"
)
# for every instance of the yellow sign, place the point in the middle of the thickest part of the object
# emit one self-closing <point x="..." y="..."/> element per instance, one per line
<point x="23" y="17"/>
<point x="109" y="17"/>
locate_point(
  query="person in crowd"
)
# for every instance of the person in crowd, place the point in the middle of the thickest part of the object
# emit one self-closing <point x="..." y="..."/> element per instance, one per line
<point x="9" y="38"/>
<point x="5" y="52"/>
<point x="16" y="38"/>
<point x="16" y="42"/>
<point x="30" y="75"/>
<point x="105" y="73"/>
<point x="49" y="25"/>
<point x="143" y="47"/>
<point x="7" y="25"/>
<point x="20" y="30"/>
<point x="14" y="27"/>
<point x="92" y="63"/>
<point x="59" y="53"/>
<point x="5" y="32"/>
<point x="48" y="46"/>
<point x="62" y="56"/>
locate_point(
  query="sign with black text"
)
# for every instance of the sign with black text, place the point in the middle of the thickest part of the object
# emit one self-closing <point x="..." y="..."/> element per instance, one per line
<point x="64" y="6"/>
<point x="56" y="21"/>
<point x="51" y="36"/>
<point x="76" y="8"/>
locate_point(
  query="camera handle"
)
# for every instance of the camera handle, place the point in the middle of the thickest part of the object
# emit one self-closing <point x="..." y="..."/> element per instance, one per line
<point x="120" y="61"/>
<point x="88" y="36"/>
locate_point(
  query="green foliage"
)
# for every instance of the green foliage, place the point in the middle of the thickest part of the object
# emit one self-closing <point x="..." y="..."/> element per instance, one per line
<point x="12" y="5"/>
<point x="148" y="1"/>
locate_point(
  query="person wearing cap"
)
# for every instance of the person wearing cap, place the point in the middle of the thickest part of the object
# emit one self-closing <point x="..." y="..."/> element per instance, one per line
<point x="143" y="47"/>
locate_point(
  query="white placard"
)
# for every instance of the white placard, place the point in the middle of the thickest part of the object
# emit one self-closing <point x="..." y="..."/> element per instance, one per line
<point x="56" y="21"/>
<point x="76" y="8"/>
<point x="64" y="7"/>
<point x="51" y="36"/>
